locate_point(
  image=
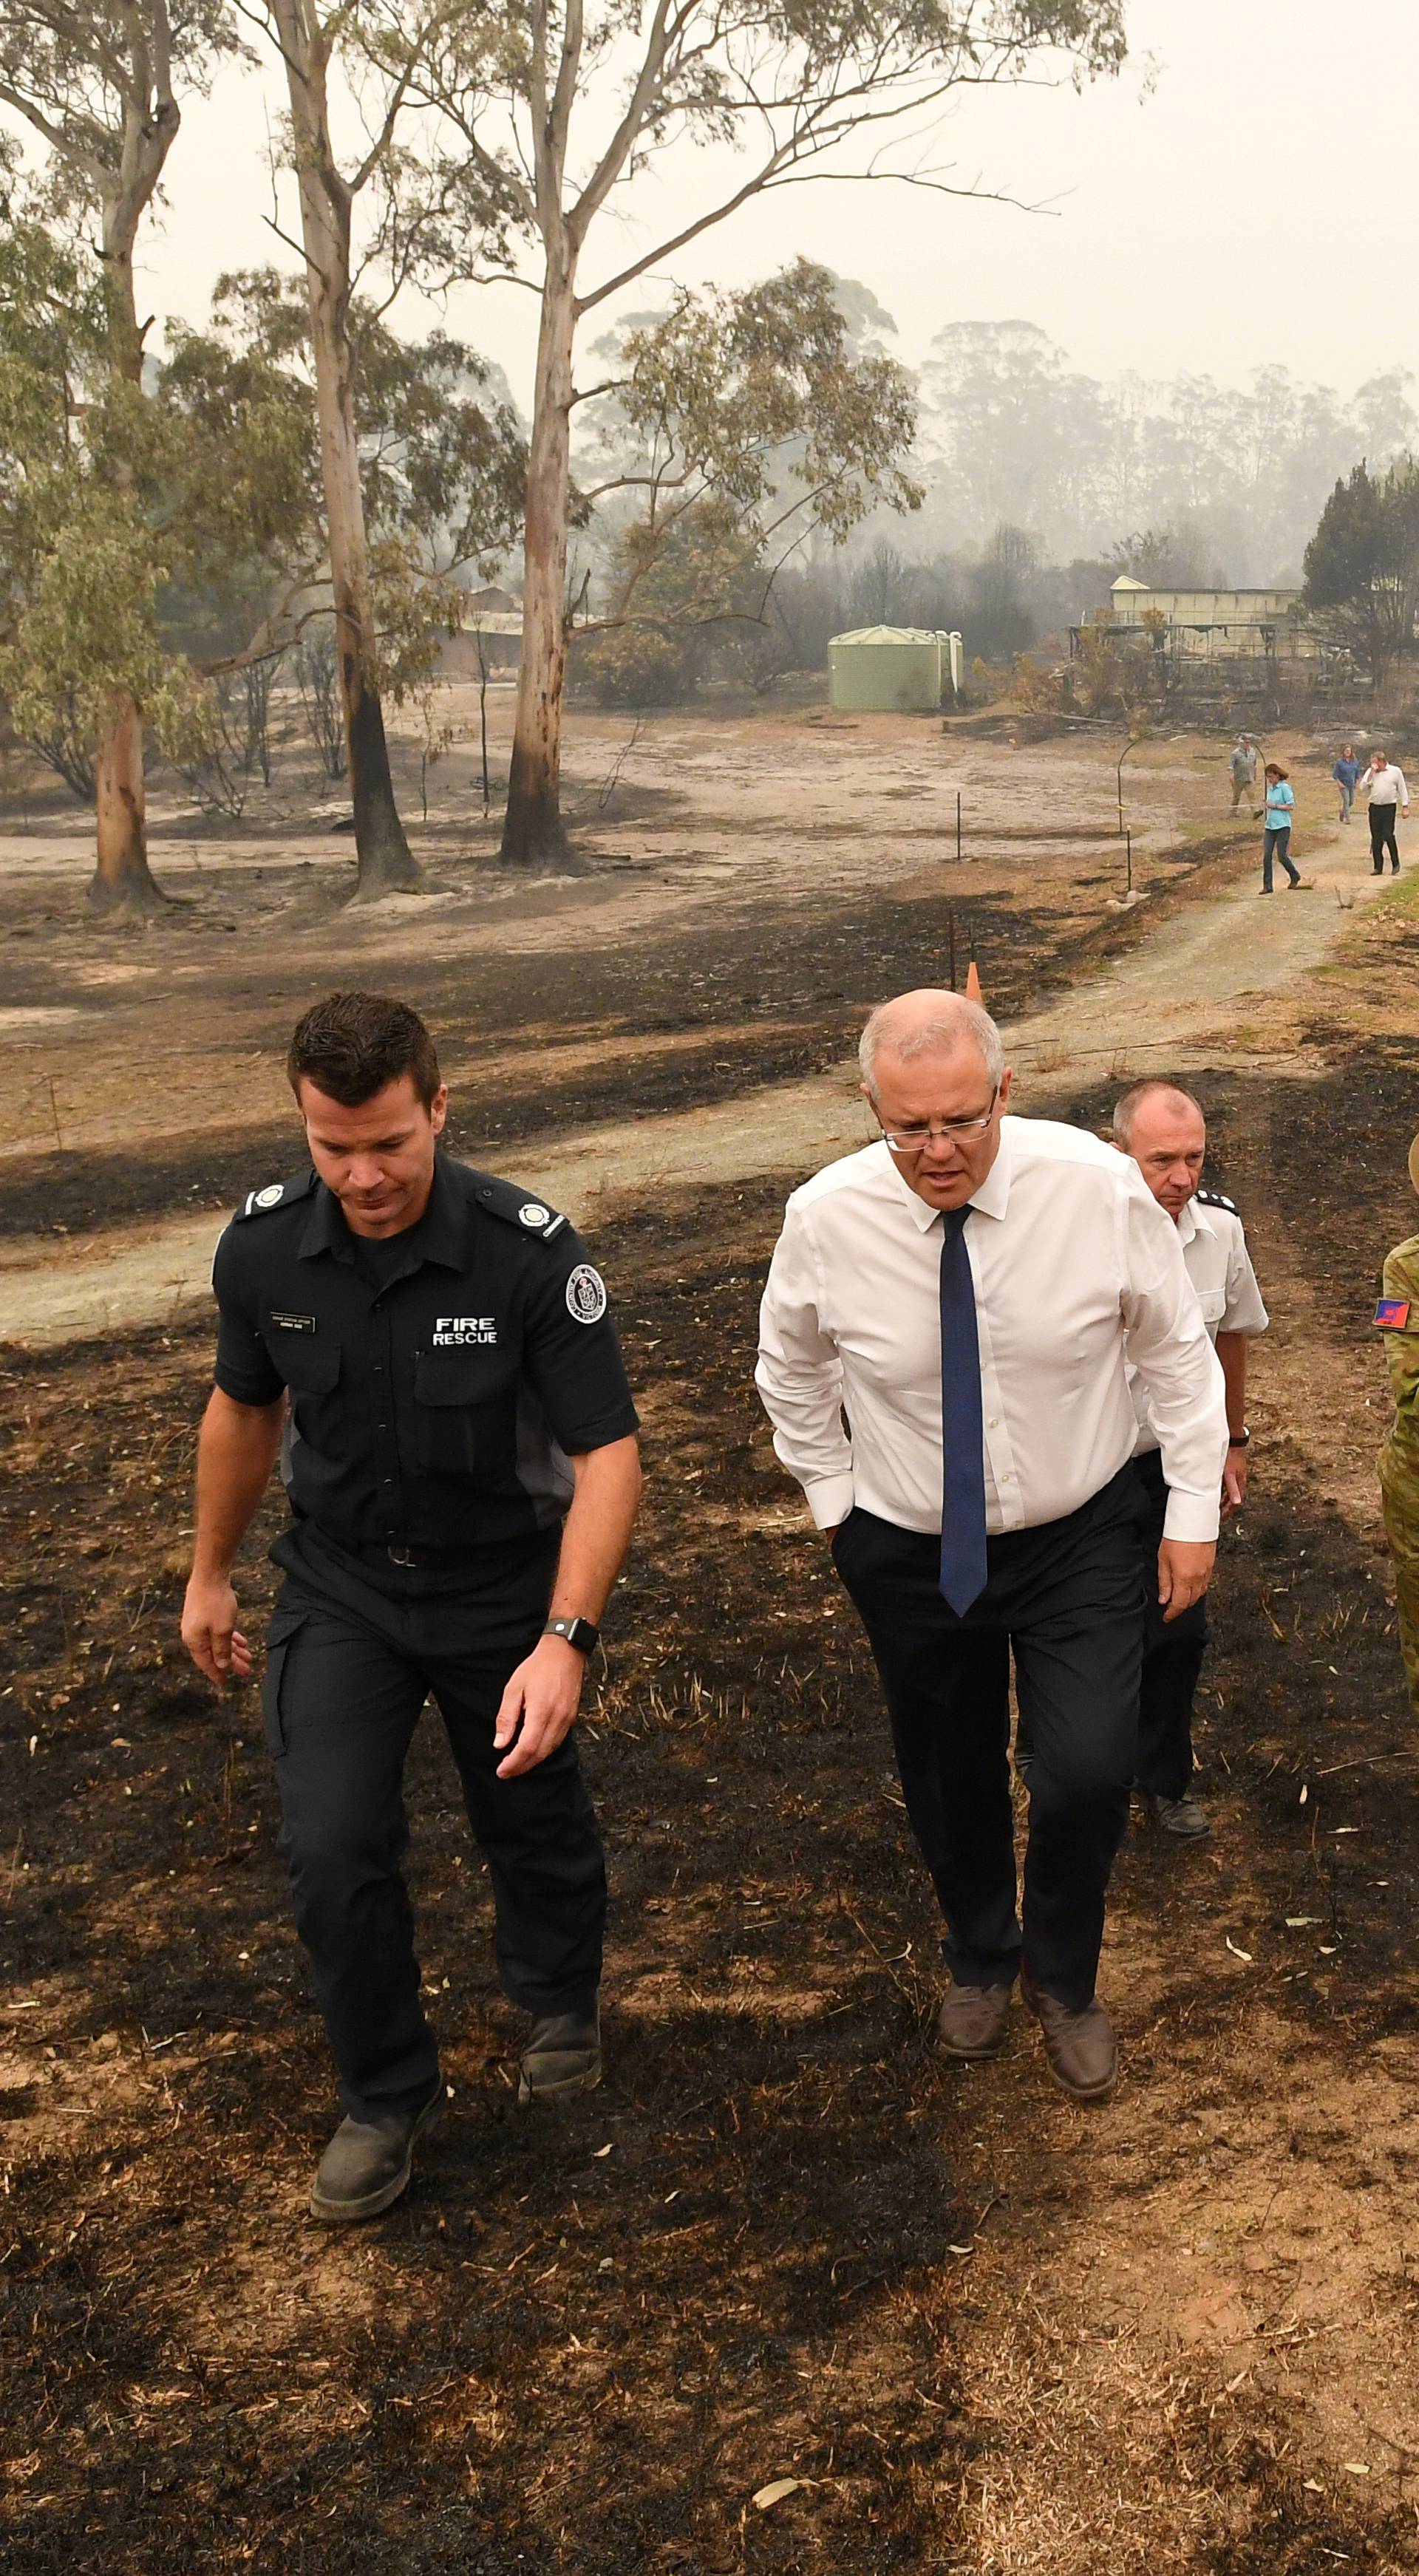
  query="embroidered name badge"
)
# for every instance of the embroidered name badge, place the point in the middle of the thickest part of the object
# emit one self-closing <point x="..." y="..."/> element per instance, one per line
<point x="293" y="1323"/>
<point x="1392" y="1314"/>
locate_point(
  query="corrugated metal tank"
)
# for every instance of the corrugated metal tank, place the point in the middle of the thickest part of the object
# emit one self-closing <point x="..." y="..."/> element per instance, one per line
<point x="884" y="670"/>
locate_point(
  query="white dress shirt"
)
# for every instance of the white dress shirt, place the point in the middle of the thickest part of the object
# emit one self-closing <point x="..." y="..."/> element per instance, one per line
<point x="1216" y="1259"/>
<point x="1068" y="1251"/>
<point x="1383" y="786"/>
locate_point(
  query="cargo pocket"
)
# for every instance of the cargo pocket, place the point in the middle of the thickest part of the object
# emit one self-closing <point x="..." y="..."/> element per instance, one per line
<point x="465" y="1413"/>
<point x="285" y="1628"/>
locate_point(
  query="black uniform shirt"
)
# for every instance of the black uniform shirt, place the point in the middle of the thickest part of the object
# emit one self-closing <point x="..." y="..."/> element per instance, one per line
<point x="439" y="1378"/>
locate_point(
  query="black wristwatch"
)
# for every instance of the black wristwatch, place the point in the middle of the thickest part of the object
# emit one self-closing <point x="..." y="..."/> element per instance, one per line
<point x="1239" y="1439"/>
<point x="577" y="1632"/>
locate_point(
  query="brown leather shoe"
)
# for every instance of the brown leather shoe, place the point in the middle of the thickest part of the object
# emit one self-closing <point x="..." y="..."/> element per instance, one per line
<point x="971" y="2022"/>
<point x="1080" y="2046"/>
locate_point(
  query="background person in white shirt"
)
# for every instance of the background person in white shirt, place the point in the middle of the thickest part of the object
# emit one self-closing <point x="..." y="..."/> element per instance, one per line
<point x="1162" y="1127"/>
<point x="1385" y="787"/>
<point x="1018" y="1253"/>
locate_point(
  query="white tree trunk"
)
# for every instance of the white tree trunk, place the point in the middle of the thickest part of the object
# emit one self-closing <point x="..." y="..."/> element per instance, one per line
<point x="533" y="835"/>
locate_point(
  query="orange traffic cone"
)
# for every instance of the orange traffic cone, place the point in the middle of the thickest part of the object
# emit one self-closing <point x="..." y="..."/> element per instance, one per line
<point x="973" y="991"/>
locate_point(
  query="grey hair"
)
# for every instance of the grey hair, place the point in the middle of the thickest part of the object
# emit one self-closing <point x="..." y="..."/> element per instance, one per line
<point x="1128" y="1104"/>
<point x="956" y="1019"/>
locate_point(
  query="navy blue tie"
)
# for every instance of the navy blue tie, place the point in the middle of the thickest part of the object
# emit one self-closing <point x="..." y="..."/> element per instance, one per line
<point x="963" y="1561"/>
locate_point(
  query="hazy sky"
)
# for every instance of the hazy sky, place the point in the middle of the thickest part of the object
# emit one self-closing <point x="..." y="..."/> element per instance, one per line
<point x="1242" y="195"/>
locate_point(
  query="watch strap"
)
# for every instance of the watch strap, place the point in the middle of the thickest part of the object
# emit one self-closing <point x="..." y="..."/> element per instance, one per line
<point x="580" y="1633"/>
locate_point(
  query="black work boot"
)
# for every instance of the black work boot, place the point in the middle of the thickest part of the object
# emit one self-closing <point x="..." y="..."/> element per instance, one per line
<point x="562" y="2056"/>
<point x="1185" y="1818"/>
<point x="367" y="2163"/>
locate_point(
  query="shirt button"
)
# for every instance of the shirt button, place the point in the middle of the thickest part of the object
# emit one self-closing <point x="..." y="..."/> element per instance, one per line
<point x="994" y="1423"/>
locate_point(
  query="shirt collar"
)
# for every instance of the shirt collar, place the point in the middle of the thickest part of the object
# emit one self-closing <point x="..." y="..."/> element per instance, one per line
<point x="1194" y="1220"/>
<point x="991" y="1199"/>
<point x="442" y="1229"/>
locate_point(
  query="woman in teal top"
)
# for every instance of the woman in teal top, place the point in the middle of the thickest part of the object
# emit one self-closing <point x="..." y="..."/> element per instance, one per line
<point x="1280" y="807"/>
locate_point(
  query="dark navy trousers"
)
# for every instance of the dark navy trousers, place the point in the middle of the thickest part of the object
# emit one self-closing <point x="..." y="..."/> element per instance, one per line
<point x="353" y="1654"/>
<point x="1172" y="1660"/>
<point x="1067" y="1599"/>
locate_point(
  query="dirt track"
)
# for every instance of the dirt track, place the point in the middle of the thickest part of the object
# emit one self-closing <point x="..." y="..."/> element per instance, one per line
<point x="1173" y="1000"/>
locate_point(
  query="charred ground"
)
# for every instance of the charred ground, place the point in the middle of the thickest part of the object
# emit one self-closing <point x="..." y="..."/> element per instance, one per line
<point x="984" y="2331"/>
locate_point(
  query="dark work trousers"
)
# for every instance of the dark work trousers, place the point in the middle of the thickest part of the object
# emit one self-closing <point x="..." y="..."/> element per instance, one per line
<point x="352" y="1657"/>
<point x="1172" y="1660"/>
<point x="1068" y="1598"/>
<point x="1382" y="836"/>
<point x="1277" y="844"/>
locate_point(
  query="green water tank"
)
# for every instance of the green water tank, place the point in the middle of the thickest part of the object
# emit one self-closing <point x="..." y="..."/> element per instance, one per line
<point x="885" y="670"/>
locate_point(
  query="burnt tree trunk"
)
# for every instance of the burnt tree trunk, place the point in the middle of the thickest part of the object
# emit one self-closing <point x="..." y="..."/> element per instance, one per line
<point x="385" y="862"/>
<point x="123" y="882"/>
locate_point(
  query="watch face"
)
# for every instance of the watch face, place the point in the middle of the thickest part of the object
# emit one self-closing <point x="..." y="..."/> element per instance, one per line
<point x="577" y="1632"/>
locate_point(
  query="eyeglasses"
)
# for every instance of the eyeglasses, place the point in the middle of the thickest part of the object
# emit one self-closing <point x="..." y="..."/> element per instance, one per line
<point x="956" y="1131"/>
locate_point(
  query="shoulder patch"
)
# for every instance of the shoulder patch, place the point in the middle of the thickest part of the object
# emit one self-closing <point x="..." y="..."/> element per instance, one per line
<point x="517" y="1207"/>
<point x="276" y="1194"/>
<point x="1216" y="1198"/>
<point x="586" y="1294"/>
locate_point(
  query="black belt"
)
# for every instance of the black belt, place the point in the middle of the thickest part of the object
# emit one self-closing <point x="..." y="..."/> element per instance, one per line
<point x="435" y="1560"/>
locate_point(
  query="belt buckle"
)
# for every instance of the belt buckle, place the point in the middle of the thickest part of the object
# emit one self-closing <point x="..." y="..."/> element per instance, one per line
<point x="401" y="1556"/>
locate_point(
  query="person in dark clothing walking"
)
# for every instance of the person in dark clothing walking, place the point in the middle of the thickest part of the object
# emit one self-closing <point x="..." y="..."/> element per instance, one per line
<point x="430" y="1350"/>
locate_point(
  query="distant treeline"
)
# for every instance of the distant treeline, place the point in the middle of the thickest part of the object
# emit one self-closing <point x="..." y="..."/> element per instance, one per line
<point x="1010" y="433"/>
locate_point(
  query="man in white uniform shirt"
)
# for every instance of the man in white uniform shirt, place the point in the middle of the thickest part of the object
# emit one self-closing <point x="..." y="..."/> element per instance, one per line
<point x="1162" y="1127"/>
<point x="942" y="1357"/>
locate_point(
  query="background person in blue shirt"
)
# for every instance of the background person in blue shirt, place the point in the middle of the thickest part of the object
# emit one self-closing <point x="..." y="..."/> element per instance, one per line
<point x="1345" y="772"/>
<point x="1276" y="841"/>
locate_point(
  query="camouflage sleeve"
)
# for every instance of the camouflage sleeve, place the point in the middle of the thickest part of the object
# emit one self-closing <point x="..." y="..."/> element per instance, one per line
<point x="1400" y="1289"/>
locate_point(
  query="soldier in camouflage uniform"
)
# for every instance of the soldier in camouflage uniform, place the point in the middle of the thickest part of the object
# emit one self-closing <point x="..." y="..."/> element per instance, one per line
<point x="1397" y="1315"/>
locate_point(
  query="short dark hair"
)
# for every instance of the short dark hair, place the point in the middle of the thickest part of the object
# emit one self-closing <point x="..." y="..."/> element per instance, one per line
<point x="352" y="1044"/>
<point x="1130" y="1101"/>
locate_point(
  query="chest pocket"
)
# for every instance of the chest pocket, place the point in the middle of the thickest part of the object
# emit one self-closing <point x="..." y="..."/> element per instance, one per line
<point x="309" y="1363"/>
<point x="465" y="1413"/>
<point x="1213" y="1302"/>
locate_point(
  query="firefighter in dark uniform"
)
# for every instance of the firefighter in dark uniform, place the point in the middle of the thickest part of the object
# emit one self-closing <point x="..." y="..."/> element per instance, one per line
<point x="429" y="1350"/>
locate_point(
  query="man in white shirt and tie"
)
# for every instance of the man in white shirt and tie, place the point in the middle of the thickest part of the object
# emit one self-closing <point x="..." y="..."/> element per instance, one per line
<point x="942" y="1354"/>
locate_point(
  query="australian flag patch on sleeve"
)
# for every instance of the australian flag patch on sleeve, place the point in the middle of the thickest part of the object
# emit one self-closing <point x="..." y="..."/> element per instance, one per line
<point x="1392" y="1314"/>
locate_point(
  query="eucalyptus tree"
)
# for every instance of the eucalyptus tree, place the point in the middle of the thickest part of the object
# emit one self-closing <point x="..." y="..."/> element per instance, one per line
<point x="408" y="214"/>
<point x="728" y="432"/>
<point x="567" y="120"/>
<point x="100" y="84"/>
